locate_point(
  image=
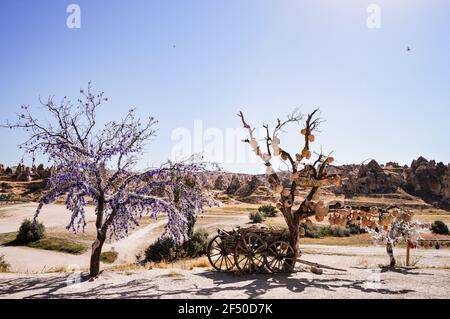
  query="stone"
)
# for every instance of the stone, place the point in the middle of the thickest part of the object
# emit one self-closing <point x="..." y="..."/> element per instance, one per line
<point x="430" y="181"/>
<point x="235" y="184"/>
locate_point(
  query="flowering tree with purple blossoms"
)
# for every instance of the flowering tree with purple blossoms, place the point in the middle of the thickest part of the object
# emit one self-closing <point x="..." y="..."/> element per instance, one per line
<point x="92" y="163"/>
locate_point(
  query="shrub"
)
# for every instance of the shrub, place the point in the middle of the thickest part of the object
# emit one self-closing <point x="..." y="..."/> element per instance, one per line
<point x="4" y="266"/>
<point x="197" y="245"/>
<point x="338" y="231"/>
<point x="165" y="249"/>
<point x="4" y="197"/>
<point x="256" y="217"/>
<point x="312" y="233"/>
<point x="109" y="256"/>
<point x="325" y="231"/>
<point x="439" y="227"/>
<point x="356" y="229"/>
<point x="268" y="210"/>
<point x="28" y="232"/>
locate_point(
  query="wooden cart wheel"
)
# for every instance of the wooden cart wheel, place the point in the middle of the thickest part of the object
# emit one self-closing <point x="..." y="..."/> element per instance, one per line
<point x="249" y="253"/>
<point x="280" y="257"/>
<point x="219" y="255"/>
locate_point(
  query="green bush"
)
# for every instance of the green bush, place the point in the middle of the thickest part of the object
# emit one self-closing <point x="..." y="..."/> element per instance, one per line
<point x="268" y="210"/>
<point x="439" y="227"/>
<point x="197" y="245"/>
<point x="313" y="232"/>
<point x="29" y="233"/>
<point x="325" y="231"/>
<point x="165" y="249"/>
<point x="338" y="231"/>
<point x="256" y="217"/>
<point x="356" y="229"/>
<point x="4" y="266"/>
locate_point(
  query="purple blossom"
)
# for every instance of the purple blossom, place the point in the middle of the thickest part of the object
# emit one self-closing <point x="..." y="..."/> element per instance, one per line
<point x="92" y="163"/>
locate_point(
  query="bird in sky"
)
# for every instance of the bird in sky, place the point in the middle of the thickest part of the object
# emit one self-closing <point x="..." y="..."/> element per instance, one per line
<point x="408" y="49"/>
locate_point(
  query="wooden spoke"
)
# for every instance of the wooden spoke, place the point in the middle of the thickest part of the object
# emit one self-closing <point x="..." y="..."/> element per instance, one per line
<point x="279" y="257"/>
<point x="249" y="253"/>
<point x="219" y="255"/>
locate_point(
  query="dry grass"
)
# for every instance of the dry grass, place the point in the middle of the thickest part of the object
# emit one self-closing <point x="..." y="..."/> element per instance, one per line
<point x="7" y="237"/>
<point x="430" y="218"/>
<point x="315" y="252"/>
<point x="4" y="266"/>
<point x="201" y="262"/>
<point x="185" y="264"/>
<point x="353" y="240"/>
<point x="443" y="267"/>
<point x="128" y="267"/>
<point x="174" y="274"/>
<point x="109" y="256"/>
<point x="59" y="244"/>
<point x="59" y="269"/>
<point x="363" y="262"/>
<point x="242" y="208"/>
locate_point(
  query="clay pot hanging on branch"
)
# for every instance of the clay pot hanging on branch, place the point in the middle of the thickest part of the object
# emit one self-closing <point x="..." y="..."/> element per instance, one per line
<point x="306" y="153"/>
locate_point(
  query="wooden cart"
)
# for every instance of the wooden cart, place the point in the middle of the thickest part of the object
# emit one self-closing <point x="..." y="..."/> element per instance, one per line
<point x="251" y="249"/>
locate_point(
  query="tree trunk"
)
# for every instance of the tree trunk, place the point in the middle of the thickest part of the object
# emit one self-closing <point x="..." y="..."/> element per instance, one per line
<point x="95" y="256"/>
<point x="390" y="252"/>
<point x="101" y="237"/>
<point x="294" y="231"/>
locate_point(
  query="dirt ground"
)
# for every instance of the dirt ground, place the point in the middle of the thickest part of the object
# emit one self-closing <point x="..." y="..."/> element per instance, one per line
<point x="55" y="217"/>
<point x="359" y="274"/>
<point x="356" y="282"/>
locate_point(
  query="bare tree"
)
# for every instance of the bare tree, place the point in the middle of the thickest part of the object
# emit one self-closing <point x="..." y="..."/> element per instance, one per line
<point x="305" y="172"/>
<point x="387" y="226"/>
<point x="96" y="163"/>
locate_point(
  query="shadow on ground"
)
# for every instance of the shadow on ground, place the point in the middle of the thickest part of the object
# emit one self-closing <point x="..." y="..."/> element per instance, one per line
<point x="220" y="284"/>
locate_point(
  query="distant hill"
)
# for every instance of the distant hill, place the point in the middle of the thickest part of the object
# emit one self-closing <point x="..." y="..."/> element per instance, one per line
<point x="427" y="180"/>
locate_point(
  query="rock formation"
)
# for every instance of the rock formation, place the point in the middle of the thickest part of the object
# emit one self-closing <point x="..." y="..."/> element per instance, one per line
<point x="369" y="179"/>
<point x="248" y="187"/>
<point x="220" y="183"/>
<point x="235" y="184"/>
<point x="430" y="181"/>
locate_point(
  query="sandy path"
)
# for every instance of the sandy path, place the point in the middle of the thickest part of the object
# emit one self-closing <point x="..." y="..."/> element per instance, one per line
<point x="135" y="244"/>
<point x="373" y="255"/>
<point x="165" y="283"/>
<point x="53" y="215"/>
<point x="129" y="247"/>
<point x="29" y="260"/>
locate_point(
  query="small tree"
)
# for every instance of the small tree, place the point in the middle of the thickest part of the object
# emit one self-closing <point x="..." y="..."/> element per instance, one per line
<point x="29" y="232"/>
<point x="387" y="226"/>
<point x="304" y="172"/>
<point x="439" y="227"/>
<point x="256" y="217"/>
<point x="92" y="162"/>
<point x="268" y="210"/>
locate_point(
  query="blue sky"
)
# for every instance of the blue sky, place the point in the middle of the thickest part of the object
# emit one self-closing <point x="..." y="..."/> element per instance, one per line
<point x="182" y="61"/>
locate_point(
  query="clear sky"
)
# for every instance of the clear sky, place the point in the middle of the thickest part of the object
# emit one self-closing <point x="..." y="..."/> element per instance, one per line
<point x="183" y="61"/>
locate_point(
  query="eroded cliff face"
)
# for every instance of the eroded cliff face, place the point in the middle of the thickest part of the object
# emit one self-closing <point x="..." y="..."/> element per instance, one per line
<point x="426" y="179"/>
<point x="22" y="173"/>
<point x="368" y="179"/>
<point x="430" y="181"/>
